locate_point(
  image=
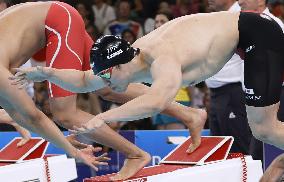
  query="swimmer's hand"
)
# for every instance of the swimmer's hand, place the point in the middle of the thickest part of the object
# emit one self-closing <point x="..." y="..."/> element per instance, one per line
<point x="86" y="156"/>
<point x="275" y="171"/>
<point x="22" y="142"/>
<point x="26" y="136"/>
<point x="79" y="145"/>
<point x="24" y="75"/>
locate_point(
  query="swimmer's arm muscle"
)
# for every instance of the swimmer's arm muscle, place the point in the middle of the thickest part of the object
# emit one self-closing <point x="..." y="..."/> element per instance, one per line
<point x="74" y="80"/>
<point x="167" y="81"/>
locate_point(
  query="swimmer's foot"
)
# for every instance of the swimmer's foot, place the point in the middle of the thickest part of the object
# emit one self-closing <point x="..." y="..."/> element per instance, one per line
<point x="131" y="166"/>
<point x="195" y="125"/>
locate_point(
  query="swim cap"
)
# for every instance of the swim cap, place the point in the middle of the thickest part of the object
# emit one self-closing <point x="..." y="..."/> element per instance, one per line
<point x="110" y="51"/>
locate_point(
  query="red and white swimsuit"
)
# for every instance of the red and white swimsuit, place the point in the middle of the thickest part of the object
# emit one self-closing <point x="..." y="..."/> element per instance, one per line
<point x="67" y="43"/>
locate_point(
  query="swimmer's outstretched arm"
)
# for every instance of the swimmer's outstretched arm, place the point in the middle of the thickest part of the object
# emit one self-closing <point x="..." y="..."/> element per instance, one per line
<point x="69" y="79"/>
<point x="75" y="80"/>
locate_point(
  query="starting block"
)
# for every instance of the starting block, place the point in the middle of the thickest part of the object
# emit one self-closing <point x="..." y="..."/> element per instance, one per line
<point x="208" y="163"/>
<point x="212" y="149"/>
<point x="28" y="163"/>
<point x="33" y="149"/>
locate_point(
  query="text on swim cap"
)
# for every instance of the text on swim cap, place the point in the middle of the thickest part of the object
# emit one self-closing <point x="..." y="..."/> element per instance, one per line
<point x="112" y="48"/>
<point x="115" y="54"/>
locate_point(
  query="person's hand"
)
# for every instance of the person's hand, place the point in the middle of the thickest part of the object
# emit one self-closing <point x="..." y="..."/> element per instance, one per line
<point x="72" y="139"/>
<point x="88" y="127"/>
<point x="272" y="174"/>
<point x="24" y="75"/>
<point x="23" y="141"/>
<point x="26" y="136"/>
<point x="86" y="156"/>
<point x="275" y="171"/>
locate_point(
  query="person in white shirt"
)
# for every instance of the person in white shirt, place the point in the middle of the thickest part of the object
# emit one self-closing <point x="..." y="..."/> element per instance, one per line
<point x="227" y="116"/>
<point x="104" y="14"/>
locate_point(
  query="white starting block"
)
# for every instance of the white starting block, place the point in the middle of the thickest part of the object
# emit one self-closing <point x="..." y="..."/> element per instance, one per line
<point x="26" y="163"/>
<point x="208" y="163"/>
<point x="60" y="168"/>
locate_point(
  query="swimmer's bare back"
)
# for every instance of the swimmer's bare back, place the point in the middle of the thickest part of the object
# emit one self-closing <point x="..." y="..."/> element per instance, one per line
<point x="22" y="30"/>
<point x="197" y="42"/>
